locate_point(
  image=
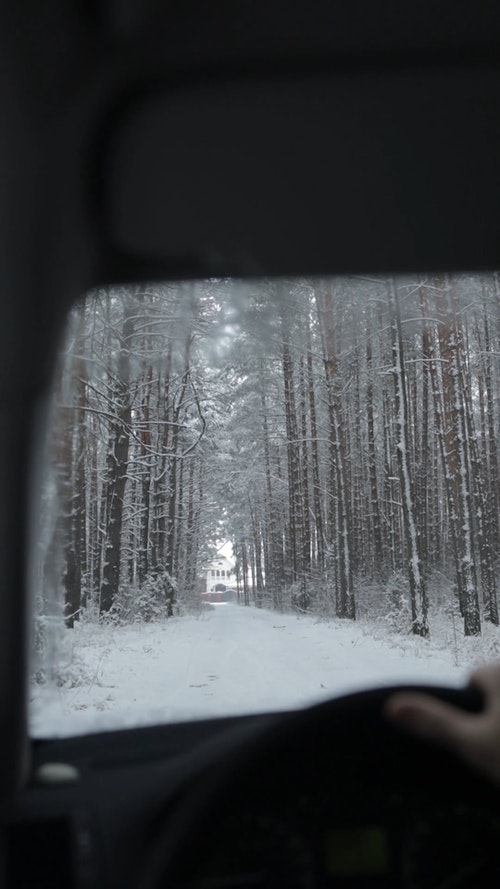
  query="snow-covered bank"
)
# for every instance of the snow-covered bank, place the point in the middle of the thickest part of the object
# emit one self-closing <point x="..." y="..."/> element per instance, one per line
<point x="233" y="660"/>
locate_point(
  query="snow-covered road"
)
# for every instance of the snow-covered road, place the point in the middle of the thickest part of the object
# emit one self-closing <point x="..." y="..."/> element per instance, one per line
<point x="229" y="660"/>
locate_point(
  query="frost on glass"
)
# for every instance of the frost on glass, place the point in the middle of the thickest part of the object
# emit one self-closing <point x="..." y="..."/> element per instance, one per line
<point x="262" y="493"/>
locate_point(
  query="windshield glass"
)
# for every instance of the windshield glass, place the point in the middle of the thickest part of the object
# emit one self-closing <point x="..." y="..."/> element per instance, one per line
<point x="261" y="494"/>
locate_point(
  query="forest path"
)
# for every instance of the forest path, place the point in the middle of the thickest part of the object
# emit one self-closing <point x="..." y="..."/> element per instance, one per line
<point x="229" y="660"/>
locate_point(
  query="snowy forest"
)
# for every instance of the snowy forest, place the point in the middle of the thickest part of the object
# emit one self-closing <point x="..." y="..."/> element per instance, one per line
<point x="341" y="434"/>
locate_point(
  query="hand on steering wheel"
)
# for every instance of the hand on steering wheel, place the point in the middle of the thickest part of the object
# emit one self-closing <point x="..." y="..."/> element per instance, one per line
<point x="473" y="736"/>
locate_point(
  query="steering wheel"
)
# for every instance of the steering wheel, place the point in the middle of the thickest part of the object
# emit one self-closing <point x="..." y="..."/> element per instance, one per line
<point x="332" y="796"/>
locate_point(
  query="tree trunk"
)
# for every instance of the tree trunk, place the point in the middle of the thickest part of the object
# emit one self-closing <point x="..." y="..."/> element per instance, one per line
<point x="418" y="594"/>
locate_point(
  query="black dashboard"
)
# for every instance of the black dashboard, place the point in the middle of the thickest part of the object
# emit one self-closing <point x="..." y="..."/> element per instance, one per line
<point x="93" y="805"/>
<point x="397" y="841"/>
<point x="321" y="831"/>
<point x="331" y="796"/>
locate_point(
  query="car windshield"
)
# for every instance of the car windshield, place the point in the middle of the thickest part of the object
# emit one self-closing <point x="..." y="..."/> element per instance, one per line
<point x="259" y="494"/>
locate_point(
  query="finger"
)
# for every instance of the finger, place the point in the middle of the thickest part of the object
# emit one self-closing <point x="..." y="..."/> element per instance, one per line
<point x="487" y="680"/>
<point x="429" y="718"/>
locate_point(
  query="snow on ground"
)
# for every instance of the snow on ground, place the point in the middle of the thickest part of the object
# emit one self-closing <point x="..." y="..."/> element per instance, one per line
<point x="234" y="660"/>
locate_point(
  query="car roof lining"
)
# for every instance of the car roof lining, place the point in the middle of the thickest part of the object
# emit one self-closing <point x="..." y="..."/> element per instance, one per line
<point x="329" y="173"/>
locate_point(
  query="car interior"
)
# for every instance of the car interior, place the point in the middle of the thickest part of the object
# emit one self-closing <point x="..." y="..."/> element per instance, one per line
<point x="165" y="141"/>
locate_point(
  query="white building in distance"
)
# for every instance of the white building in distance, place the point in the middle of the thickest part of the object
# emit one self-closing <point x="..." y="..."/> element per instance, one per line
<point x="219" y="576"/>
